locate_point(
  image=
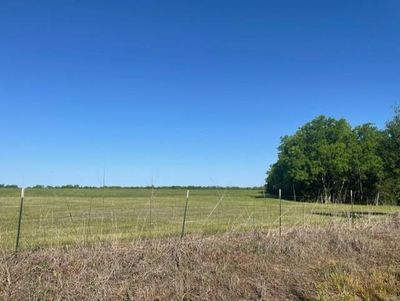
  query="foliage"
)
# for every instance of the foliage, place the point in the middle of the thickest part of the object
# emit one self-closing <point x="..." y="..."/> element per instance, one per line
<point x="326" y="159"/>
<point x="391" y="155"/>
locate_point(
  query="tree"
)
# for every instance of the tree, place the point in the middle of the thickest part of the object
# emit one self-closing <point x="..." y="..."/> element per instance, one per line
<point x="326" y="158"/>
<point x="391" y="155"/>
<point x="315" y="160"/>
<point x="367" y="164"/>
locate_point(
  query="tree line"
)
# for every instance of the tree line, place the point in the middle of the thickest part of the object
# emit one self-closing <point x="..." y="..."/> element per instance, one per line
<point x="77" y="186"/>
<point x="328" y="160"/>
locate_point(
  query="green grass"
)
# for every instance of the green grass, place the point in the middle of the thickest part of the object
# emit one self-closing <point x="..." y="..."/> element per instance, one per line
<point x="58" y="217"/>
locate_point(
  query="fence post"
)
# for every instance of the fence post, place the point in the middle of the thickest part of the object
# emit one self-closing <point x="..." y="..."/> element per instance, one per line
<point x="352" y="206"/>
<point x="19" y="220"/>
<point x="150" y="207"/>
<point x="280" y="212"/>
<point x="184" y="214"/>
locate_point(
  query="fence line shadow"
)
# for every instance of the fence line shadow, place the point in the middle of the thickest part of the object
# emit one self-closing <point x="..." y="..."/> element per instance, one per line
<point x="356" y="214"/>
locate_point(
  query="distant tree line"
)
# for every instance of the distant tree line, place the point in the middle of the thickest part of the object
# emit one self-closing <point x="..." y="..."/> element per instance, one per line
<point x="76" y="186"/>
<point x="326" y="159"/>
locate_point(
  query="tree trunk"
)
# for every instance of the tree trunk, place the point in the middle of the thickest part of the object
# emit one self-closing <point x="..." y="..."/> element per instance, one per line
<point x="294" y="192"/>
<point x="340" y="195"/>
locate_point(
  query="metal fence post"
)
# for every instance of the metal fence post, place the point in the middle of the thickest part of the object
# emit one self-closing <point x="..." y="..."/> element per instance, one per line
<point x="280" y="212"/>
<point x="184" y="214"/>
<point x="19" y="220"/>
<point x="352" y="206"/>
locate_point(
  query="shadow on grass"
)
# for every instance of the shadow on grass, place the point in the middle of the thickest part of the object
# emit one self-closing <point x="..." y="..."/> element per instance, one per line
<point x="355" y="214"/>
<point x="262" y="195"/>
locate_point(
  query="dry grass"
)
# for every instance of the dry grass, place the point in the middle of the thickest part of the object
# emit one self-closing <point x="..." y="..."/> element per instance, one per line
<point x="326" y="263"/>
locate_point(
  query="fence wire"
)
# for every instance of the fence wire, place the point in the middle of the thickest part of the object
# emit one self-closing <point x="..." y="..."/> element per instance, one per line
<point x="58" y="218"/>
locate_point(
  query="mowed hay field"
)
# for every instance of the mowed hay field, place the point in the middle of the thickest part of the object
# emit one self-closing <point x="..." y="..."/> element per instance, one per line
<point x="59" y="217"/>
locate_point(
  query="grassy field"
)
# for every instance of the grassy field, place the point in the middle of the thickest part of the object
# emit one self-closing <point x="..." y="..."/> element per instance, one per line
<point x="317" y="263"/>
<point x="58" y="217"/>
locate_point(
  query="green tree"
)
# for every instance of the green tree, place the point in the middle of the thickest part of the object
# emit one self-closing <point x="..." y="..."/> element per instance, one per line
<point x="326" y="158"/>
<point x="391" y="156"/>
<point x="367" y="164"/>
<point x="315" y="161"/>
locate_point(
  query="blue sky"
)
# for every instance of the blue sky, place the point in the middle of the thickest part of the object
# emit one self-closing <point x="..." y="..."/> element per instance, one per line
<point x="183" y="92"/>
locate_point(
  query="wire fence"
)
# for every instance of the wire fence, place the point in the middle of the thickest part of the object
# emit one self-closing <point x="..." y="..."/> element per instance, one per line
<point x="60" y="217"/>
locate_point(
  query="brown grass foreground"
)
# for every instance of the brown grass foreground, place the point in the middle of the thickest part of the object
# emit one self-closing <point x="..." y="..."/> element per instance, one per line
<point x="332" y="263"/>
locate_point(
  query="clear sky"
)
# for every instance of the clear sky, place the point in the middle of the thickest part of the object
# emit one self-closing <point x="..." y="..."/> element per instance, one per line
<point x="183" y="92"/>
